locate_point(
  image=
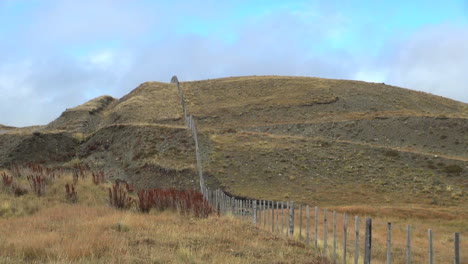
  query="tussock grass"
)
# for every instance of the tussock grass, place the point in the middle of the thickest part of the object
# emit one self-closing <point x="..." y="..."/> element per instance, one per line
<point x="49" y="229"/>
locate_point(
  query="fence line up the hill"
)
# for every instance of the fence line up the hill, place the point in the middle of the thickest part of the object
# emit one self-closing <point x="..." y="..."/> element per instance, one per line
<point x="279" y="217"/>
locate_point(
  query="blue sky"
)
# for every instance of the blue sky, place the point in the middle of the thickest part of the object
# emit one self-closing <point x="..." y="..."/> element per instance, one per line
<point x="56" y="54"/>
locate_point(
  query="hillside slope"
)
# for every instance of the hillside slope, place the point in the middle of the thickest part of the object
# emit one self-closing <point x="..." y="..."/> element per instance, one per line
<point x="308" y="139"/>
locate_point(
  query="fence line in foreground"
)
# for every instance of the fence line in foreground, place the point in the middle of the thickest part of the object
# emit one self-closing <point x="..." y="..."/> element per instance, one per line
<point x="262" y="213"/>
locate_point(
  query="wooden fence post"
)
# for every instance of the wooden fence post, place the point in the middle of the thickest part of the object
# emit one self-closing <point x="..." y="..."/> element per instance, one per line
<point x="356" y="239"/>
<point x="307" y="225"/>
<point x="291" y="219"/>
<point x="456" y="248"/>
<point x="272" y="216"/>
<point x="429" y="236"/>
<point x="265" y="214"/>
<point x="282" y="218"/>
<point x="389" y="243"/>
<point x="287" y="218"/>
<point x="277" y="216"/>
<point x="316" y="228"/>
<point x="408" y="244"/>
<point x="325" y="232"/>
<point x="334" y="237"/>
<point x="368" y="241"/>
<point x="345" y="233"/>
<point x="254" y="212"/>
<point x="300" y="222"/>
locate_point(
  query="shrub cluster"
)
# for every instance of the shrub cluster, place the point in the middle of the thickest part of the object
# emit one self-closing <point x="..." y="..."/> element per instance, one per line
<point x="118" y="196"/>
<point x="70" y="193"/>
<point x="38" y="184"/>
<point x="183" y="201"/>
<point x="98" y="177"/>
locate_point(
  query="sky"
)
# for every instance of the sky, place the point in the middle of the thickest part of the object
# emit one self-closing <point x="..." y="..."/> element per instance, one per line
<point x="57" y="54"/>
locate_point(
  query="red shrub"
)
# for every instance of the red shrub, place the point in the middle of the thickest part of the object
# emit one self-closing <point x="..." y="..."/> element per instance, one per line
<point x="98" y="177"/>
<point x="6" y="180"/>
<point x="129" y="187"/>
<point x="118" y="197"/>
<point x="15" y="170"/>
<point x="70" y="193"/>
<point x="145" y="200"/>
<point x="37" y="183"/>
<point x="183" y="201"/>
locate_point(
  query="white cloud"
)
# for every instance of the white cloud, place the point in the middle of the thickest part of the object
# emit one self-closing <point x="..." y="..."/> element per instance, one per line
<point x="41" y="72"/>
<point x="434" y="60"/>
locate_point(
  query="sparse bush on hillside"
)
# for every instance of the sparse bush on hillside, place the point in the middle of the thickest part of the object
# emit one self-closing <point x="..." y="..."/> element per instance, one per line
<point x="38" y="184"/>
<point x="453" y="169"/>
<point x="70" y="193"/>
<point x="98" y="177"/>
<point x="15" y="170"/>
<point x="145" y="200"/>
<point x="6" y="179"/>
<point x="184" y="201"/>
<point x="391" y="153"/>
<point x="118" y="197"/>
<point x="79" y="171"/>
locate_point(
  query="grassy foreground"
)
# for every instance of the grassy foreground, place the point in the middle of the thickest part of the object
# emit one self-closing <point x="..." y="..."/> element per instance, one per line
<point x="48" y="229"/>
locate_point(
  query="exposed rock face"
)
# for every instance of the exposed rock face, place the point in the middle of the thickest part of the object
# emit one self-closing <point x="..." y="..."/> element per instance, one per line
<point x="85" y="118"/>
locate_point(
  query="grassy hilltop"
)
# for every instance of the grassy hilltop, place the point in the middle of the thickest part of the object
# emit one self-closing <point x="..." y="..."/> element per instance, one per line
<point x="322" y="141"/>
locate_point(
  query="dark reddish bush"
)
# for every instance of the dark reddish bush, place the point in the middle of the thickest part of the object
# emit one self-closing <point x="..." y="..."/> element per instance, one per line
<point x="183" y="201"/>
<point x="98" y="177"/>
<point x="145" y="200"/>
<point x="129" y="187"/>
<point x="118" y="197"/>
<point x="79" y="171"/>
<point x="38" y="184"/>
<point x="70" y="193"/>
<point x="6" y="180"/>
<point x="15" y="170"/>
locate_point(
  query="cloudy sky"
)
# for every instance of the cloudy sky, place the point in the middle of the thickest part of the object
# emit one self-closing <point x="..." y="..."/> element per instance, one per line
<point x="56" y="54"/>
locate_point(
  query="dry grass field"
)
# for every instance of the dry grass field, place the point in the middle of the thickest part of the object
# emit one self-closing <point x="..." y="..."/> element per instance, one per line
<point x="48" y="229"/>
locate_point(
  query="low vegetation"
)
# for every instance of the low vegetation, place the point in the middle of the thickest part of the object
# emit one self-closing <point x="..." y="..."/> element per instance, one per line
<point x="75" y="224"/>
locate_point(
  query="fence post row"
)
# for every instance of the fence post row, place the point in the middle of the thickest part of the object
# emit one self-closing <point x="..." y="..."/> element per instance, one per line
<point x="258" y="210"/>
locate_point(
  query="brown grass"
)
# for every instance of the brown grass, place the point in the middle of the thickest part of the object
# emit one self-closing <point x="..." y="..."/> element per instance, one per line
<point x="48" y="229"/>
<point x="442" y="234"/>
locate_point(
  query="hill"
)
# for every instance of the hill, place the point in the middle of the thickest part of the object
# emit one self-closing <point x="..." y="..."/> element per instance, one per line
<point x="322" y="141"/>
<point x="4" y="128"/>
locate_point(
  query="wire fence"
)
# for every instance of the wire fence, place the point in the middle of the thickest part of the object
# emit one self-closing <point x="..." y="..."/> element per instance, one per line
<point x="333" y="234"/>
